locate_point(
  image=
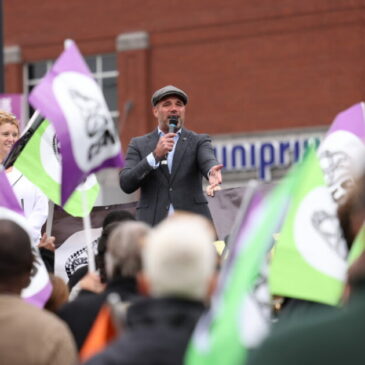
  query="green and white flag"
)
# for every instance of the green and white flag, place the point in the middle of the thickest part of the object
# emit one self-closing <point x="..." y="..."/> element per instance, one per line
<point x="309" y="260"/>
<point x="39" y="161"/>
<point x="239" y="317"/>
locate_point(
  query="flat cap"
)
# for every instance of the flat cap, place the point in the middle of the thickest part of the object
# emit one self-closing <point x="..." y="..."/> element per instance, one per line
<point x="167" y="91"/>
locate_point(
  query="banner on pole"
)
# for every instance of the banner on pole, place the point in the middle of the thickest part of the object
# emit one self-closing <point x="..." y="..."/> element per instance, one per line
<point x="69" y="97"/>
<point x="40" y="162"/>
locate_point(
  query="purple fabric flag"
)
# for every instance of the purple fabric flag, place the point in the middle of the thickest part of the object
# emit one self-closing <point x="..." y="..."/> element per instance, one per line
<point x="40" y="299"/>
<point x="351" y="120"/>
<point x="14" y="103"/>
<point x="342" y="152"/>
<point x="39" y="289"/>
<point x="7" y="197"/>
<point x="71" y="99"/>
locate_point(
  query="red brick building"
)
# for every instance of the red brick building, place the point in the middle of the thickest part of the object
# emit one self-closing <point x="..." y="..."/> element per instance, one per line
<point x="247" y="65"/>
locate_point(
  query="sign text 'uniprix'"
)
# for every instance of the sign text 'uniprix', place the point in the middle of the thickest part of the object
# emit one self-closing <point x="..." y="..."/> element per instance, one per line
<point x="262" y="154"/>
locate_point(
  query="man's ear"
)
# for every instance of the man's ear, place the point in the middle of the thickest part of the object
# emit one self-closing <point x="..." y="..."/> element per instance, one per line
<point x="154" y="111"/>
<point x="143" y="284"/>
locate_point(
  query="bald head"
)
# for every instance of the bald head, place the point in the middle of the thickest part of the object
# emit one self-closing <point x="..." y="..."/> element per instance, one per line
<point x="16" y="257"/>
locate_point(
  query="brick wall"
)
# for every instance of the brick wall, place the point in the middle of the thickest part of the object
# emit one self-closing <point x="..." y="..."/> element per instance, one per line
<point x="246" y="65"/>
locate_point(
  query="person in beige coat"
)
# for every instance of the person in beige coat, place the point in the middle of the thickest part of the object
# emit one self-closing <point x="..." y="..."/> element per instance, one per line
<point x="28" y="335"/>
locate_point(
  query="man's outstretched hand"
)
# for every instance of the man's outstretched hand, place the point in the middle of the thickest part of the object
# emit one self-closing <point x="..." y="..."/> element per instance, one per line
<point x="215" y="179"/>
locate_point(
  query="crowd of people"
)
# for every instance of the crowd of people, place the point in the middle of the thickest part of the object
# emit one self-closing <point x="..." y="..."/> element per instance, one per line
<point x="161" y="279"/>
<point x="156" y="283"/>
<point x="156" y="271"/>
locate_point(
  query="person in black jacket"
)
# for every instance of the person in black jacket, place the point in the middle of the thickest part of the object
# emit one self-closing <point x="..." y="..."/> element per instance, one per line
<point x="178" y="271"/>
<point x="168" y="167"/>
<point x="123" y="251"/>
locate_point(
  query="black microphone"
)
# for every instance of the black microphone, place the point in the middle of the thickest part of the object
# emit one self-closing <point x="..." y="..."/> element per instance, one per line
<point x="173" y="121"/>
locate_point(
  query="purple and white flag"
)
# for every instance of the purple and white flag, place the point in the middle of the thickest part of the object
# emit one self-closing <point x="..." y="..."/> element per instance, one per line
<point x="342" y="152"/>
<point x="8" y="199"/>
<point x="71" y="99"/>
<point x="39" y="289"/>
<point x="351" y="120"/>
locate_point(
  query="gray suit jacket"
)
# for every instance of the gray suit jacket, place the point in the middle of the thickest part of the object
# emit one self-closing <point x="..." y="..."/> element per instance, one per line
<point x="193" y="158"/>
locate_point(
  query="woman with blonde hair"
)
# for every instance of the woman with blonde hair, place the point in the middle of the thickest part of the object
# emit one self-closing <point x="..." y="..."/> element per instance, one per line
<point x="9" y="133"/>
<point x="32" y="200"/>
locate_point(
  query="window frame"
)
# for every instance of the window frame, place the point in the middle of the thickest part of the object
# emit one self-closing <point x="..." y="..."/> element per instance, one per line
<point x="99" y="75"/>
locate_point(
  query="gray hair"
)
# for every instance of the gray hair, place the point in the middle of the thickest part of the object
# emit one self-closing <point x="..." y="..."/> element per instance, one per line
<point x="179" y="257"/>
<point x="123" y="256"/>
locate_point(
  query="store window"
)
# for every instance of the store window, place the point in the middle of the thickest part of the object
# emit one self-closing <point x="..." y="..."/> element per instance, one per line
<point x="103" y="68"/>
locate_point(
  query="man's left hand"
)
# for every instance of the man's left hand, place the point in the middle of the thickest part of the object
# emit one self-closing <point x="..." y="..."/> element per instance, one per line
<point x="215" y="175"/>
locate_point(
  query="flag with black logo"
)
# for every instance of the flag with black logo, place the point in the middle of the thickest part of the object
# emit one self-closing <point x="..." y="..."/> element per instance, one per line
<point x="70" y="98"/>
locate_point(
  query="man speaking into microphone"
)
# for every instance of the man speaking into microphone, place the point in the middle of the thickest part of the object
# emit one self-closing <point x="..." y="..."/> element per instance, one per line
<point x="168" y="163"/>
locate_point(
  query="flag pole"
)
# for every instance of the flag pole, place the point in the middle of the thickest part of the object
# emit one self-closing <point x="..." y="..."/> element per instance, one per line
<point x="33" y="123"/>
<point x="86" y="218"/>
<point x="87" y="228"/>
<point x="49" y="223"/>
<point x="32" y="119"/>
<point x="232" y="243"/>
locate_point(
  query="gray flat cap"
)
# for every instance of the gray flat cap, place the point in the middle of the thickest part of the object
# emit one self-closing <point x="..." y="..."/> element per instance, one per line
<point x="167" y="91"/>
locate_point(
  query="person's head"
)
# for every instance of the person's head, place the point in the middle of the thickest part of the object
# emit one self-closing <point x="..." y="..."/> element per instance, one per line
<point x="123" y="255"/>
<point x="59" y="295"/>
<point x="16" y="258"/>
<point x="169" y="101"/>
<point x="111" y="221"/>
<point x="9" y="132"/>
<point x="118" y="216"/>
<point x="102" y="244"/>
<point x="179" y="259"/>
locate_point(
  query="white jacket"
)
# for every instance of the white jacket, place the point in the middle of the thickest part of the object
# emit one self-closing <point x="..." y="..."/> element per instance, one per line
<point x="32" y="200"/>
